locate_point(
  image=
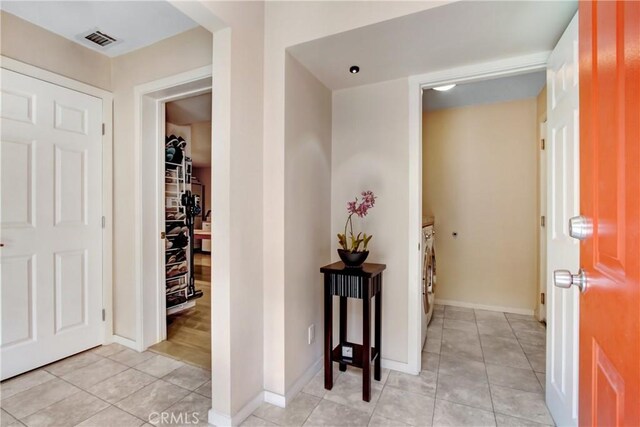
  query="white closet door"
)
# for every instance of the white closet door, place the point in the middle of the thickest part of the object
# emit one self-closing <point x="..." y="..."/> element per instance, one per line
<point x="50" y="222"/>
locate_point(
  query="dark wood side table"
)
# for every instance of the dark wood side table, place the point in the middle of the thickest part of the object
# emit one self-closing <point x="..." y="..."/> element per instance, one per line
<point x="362" y="283"/>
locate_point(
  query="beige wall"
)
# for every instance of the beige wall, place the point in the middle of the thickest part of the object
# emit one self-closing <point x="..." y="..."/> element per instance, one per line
<point x="307" y="214"/>
<point x="237" y="139"/>
<point x="201" y="143"/>
<point x="479" y="180"/>
<point x="249" y="339"/>
<point x="371" y="152"/>
<point x="288" y="24"/>
<point x="186" y="51"/>
<point x="25" y="42"/>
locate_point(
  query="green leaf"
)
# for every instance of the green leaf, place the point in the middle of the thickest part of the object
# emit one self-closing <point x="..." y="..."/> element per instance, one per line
<point x="342" y="241"/>
<point x="366" y="241"/>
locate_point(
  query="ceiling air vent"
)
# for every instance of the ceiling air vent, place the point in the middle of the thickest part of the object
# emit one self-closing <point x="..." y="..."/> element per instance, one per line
<point x="98" y="39"/>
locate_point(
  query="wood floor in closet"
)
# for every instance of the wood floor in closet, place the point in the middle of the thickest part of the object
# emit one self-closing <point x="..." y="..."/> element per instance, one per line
<point x="189" y="333"/>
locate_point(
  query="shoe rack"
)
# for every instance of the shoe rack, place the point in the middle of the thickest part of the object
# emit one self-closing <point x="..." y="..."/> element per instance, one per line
<point x="178" y="239"/>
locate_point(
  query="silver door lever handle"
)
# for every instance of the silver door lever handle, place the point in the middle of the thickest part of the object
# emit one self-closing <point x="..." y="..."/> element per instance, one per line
<point x="564" y="279"/>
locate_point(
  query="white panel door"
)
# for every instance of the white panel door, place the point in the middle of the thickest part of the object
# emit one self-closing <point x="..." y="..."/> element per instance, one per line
<point x="563" y="185"/>
<point x="50" y="222"/>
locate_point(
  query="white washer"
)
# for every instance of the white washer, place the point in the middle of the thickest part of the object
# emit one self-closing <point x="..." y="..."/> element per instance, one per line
<point x="428" y="276"/>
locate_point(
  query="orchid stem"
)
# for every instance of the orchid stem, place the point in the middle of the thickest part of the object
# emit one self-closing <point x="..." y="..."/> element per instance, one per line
<point x="345" y="230"/>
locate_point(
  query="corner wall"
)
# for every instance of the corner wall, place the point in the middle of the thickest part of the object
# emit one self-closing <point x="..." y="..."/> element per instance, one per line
<point x="307" y="215"/>
<point x="371" y="152"/>
<point x="184" y="52"/>
<point x="480" y="171"/>
<point x="287" y="24"/>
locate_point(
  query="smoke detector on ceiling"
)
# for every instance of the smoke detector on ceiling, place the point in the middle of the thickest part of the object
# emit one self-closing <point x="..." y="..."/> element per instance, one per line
<point x="98" y="39"/>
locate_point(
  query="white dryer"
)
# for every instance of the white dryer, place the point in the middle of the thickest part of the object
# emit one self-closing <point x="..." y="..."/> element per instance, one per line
<point x="428" y="274"/>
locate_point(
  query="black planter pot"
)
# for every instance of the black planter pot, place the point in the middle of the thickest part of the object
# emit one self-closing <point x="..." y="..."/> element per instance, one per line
<point x="353" y="259"/>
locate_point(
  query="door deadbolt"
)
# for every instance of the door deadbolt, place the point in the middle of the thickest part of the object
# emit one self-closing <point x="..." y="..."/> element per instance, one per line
<point x="580" y="227"/>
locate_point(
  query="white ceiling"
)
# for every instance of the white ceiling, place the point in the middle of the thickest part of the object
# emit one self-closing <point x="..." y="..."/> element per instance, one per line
<point x="136" y="23"/>
<point x="189" y="110"/>
<point x="485" y="92"/>
<point x="453" y="35"/>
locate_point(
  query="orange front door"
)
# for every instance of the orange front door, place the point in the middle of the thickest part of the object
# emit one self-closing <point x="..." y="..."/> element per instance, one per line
<point x="610" y="196"/>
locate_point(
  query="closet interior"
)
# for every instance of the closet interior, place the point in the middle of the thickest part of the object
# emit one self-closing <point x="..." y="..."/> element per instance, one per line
<point x="187" y="186"/>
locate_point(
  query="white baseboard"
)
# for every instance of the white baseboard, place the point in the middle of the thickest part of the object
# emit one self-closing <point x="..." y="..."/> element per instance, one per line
<point x="394" y="365"/>
<point x="275" y="399"/>
<point x="126" y="342"/>
<point x="221" y="420"/>
<point x="484" y="307"/>
<point x="282" y="401"/>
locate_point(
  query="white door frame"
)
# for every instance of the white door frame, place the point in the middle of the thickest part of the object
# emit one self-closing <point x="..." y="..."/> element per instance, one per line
<point x="541" y="315"/>
<point x="149" y="110"/>
<point x="107" y="173"/>
<point x="467" y="74"/>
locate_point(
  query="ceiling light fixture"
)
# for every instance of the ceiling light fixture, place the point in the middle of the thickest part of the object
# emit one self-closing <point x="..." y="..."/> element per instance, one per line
<point x="354" y="69"/>
<point x="444" y="88"/>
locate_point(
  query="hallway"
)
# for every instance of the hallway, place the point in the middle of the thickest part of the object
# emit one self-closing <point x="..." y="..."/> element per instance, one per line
<point x="481" y="368"/>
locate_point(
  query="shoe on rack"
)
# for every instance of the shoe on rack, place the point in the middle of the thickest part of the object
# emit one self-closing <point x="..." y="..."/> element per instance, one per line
<point x="181" y="241"/>
<point x="171" y="229"/>
<point x="183" y="268"/>
<point x="175" y="299"/>
<point x="173" y="271"/>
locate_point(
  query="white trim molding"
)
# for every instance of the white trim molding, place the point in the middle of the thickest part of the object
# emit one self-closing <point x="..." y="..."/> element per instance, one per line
<point x="483" y="71"/>
<point x="493" y="69"/>
<point x="133" y="345"/>
<point x="394" y="365"/>
<point x="222" y="420"/>
<point x="149" y="270"/>
<point x="107" y="173"/>
<point x="282" y="401"/>
<point x="525" y="311"/>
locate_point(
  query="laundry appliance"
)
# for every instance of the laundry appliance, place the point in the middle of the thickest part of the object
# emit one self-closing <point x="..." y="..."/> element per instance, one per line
<point x="428" y="273"/>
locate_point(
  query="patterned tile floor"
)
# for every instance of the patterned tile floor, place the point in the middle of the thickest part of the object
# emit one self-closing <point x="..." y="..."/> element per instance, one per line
<point x="107" y="386"/>
<point x="481" y="368"/>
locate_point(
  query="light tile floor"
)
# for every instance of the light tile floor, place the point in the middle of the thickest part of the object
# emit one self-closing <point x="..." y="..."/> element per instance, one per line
<point x="480" y="368"/>
<point x="108" y="386"/>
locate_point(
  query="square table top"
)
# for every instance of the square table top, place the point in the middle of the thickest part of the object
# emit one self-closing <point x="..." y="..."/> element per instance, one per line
<point x="366" y="270"/>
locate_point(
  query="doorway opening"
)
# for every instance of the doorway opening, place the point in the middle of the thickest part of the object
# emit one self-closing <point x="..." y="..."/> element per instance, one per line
<point x="173" y="275"/>
<point x="480" y="212"/>
<point x="187" y="224"/>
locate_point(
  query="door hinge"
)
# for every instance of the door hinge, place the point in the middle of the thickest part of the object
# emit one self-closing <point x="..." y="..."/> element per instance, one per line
<point x="542" y="144"/>
<point x="542" y="298"/>
<point x="163" y="235"/>
<point x="103" y="129"/>
<point x="104" y="315"/>
<point x="104" y="222"/>
<point x="543" y="221"/>
<point x="418" y="246"/>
